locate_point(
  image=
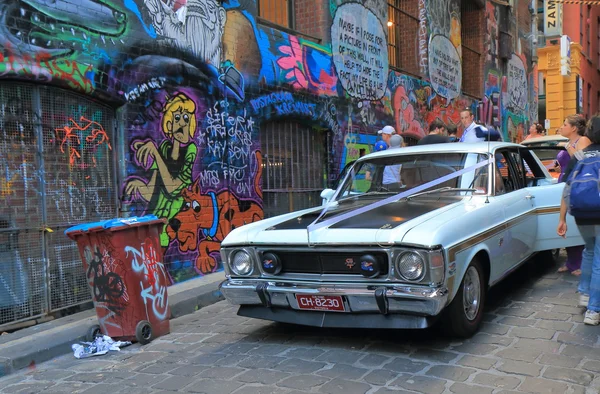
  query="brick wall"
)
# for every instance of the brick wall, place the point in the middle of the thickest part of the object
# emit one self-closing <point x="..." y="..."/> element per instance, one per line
<point x="312" y="17"/>
<point x="473" y="28"/>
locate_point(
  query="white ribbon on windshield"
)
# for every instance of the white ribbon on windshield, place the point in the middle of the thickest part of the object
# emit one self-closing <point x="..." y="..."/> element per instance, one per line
<point x="338" y="218"/>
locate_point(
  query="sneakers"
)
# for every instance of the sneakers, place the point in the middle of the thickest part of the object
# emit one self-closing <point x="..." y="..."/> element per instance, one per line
<point x="591" y="318"/>
<point x="584" y="300"/>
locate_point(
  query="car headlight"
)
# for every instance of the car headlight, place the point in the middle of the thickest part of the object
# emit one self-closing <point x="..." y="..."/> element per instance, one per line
<point x="411" y="265"/>
<point x="241" y="263"/>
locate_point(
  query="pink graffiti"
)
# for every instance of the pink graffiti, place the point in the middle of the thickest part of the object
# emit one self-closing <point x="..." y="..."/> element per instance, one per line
<point x="293" y="64"/>
<point x="404" y="113"/>
<point x="296" y="68"/>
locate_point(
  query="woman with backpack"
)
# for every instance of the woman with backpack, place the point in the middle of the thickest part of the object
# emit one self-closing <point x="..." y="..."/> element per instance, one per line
<point x="574" y="129"/>
<point x="583" y="201"/>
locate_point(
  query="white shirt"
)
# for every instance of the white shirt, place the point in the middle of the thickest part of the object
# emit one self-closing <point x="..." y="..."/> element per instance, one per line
<point x="469" y="134"/>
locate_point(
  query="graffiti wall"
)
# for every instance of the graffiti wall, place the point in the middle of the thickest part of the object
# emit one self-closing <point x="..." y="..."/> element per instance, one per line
<point x="510" y="98"/>
<point x="194" y="81"/>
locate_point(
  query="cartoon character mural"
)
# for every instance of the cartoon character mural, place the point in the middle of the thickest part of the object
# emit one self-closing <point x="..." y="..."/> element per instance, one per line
<point x="206" y="218"/>
<point x="169" y="164"/>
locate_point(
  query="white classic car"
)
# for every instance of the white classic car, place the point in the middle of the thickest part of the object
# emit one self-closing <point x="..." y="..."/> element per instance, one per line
<point x="409" y="236"/>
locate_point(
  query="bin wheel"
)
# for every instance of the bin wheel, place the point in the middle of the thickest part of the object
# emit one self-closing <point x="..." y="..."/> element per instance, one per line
<point x="143" y="332"/>
<point x="93" y="332"/>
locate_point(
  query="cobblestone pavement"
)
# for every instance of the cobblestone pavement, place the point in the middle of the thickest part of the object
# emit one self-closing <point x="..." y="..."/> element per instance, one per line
<point x="533" y="341"/>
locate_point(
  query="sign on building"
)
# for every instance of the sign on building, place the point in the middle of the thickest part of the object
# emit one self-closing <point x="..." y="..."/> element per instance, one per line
<point x="579" y="93"/>
<point x="552" y="18"/>
<point x="565" y="55"/>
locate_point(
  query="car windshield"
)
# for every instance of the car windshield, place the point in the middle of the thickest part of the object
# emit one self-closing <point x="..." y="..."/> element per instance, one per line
<point x="383" y="176"/>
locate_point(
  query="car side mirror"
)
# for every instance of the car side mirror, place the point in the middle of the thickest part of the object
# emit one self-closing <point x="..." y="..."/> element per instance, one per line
<point x="326" y="195"/>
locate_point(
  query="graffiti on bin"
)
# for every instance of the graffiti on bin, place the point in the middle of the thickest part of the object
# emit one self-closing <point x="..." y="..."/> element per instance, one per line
<point x="145" y="261"/>
<point x="107" y="286"/>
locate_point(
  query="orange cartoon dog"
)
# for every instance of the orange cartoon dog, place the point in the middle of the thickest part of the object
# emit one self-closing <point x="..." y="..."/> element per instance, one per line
<point x="210" y="217"/>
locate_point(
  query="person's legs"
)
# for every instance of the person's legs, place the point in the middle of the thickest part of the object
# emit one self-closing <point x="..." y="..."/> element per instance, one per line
<point x="589" y="238"/>
<point x="592" y="316"/>
<point x="574" y="258"/>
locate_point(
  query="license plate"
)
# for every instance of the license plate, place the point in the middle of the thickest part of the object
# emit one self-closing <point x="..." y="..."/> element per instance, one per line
<point x="320" y="303"/>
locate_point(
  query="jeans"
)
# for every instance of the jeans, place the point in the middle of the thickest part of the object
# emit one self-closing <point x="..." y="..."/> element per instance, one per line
<point x="589" y="281"/>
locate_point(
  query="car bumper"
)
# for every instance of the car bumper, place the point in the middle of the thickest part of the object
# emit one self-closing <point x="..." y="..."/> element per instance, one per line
<point x="384" y="299"/>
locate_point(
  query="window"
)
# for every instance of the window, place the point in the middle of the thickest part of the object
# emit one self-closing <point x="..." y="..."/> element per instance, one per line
<point x="588" y="33"/>
<point x="277" y="11"/>
<point x="472" y="37"/>
<point x="588" y="113"/>
<point x="374" y="178"/>
<point x="403" y="25"/>
<point x="581" y="25"/>
<point x="598" y="45"/>
<point x="511" y="170"/>
<point x="295" y="167"/>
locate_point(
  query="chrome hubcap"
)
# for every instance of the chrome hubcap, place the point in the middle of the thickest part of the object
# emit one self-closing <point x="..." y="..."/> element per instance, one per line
<point x="471" y="293"/>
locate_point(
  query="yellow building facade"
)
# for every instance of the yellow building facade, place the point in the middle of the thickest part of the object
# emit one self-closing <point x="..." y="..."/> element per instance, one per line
<point x="561" y="91"/>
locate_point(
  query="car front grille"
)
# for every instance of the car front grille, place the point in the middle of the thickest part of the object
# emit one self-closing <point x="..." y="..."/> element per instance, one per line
<point x="337" y="263"/>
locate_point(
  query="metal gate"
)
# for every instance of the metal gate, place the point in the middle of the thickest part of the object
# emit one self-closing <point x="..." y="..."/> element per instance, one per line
<point x="295" y="159"/>
<point x="57" y="168"/>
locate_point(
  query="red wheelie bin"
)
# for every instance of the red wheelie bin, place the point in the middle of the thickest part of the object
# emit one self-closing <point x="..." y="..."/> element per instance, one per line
<point x="123" y="264"/>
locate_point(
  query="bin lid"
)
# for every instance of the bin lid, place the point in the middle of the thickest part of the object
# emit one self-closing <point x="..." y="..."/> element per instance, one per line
<point x="112" y="224"/>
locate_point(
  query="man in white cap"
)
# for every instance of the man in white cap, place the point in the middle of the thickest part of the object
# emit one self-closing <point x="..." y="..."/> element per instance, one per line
<point x="386" y="134"/>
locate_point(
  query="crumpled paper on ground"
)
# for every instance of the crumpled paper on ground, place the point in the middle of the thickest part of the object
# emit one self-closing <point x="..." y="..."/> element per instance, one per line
<point x="101" y="345"/>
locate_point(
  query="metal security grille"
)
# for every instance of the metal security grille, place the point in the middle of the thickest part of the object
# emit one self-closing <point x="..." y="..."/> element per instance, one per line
<point x="403" y="26"/>
<point x="294" y="167"/>
<point x="57" y="169"/>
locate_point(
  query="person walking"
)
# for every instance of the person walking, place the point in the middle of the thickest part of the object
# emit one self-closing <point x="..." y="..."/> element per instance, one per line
<point x="589" y="281"/>
<point x="573" y="128"/>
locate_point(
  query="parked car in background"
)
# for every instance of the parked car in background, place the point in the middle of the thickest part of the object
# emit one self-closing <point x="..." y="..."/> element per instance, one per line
<point x="553" y="143"/>
<point x="417" y="241"/>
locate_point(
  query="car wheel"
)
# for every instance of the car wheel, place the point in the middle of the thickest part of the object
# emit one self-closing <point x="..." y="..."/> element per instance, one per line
<point x="555" y="253"/>
<point x="464" y="314"/>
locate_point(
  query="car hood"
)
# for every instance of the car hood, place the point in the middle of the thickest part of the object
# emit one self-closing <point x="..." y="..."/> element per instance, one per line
<point x="385" y="224"/>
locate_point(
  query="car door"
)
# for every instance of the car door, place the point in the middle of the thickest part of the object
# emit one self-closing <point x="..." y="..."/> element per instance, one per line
<point x="518" y="205"/>
<point x="547" y="198"/>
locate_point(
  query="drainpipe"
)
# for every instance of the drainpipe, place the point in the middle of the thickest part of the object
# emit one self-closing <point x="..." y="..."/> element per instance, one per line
<point x="534" y="57"/>
<point x="534" y="32"/>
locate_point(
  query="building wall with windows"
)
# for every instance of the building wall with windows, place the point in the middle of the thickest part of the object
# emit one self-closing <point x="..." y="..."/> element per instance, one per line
<point x="584" y="28"/>
<point x="229" y="111"/>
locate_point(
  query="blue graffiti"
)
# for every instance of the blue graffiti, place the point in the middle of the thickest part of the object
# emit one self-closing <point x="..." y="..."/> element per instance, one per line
<point x="270" y="99"/>
<point x="133" y="7"/>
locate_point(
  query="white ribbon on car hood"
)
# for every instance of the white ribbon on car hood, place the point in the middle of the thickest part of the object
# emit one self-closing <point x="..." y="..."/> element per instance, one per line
<point x="314" y="226"/>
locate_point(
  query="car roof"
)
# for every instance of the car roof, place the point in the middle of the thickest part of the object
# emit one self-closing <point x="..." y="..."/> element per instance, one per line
<point x="448" y="147"/>
<point x="546" y="138"/>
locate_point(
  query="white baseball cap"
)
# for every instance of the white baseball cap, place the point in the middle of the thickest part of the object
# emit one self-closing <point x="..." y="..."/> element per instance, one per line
<point x="387" y="130"/>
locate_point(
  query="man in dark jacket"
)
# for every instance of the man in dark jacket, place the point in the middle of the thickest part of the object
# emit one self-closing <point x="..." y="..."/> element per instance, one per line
<point x="436" y="134"/>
